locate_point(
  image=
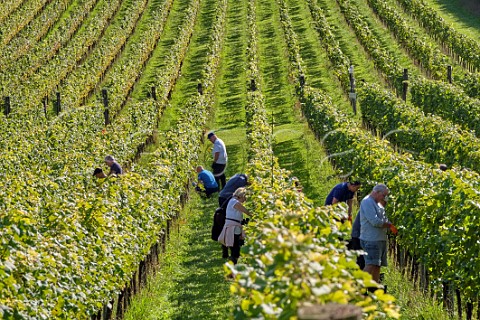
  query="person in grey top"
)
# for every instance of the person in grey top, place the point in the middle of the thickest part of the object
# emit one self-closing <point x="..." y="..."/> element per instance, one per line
<point x="373" y="230"/>
<point x="115" y="168"/>
<point x="354" y="242"/>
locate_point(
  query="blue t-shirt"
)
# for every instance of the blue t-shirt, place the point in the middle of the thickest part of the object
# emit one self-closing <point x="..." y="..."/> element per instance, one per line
<point x="340" y="192"/>
<point x="116" y="168"/>
<point x="208" y="179"/>
<point x="237" y="181"/>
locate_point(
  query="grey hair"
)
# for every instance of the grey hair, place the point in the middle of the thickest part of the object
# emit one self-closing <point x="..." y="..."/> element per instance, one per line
<point x="380" y="188"/>
<point x="109" y="158"/>
<point x="240" y="192"/>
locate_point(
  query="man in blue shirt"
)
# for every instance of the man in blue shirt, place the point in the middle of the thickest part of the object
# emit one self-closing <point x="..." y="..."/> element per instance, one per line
<point x="206" y="178"/>
<point x="343" y="192"/>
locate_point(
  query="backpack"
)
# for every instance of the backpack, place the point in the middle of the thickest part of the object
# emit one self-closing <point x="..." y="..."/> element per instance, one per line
<point x="219" y="220"/>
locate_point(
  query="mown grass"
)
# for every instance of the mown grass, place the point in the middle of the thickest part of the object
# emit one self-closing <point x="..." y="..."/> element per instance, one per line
<point x="190" y="283"/>
<point x="315" y="60"/>
<point x="294" y="145"/>
<point x="170" y="32"/>
<point x="463" y="15"/>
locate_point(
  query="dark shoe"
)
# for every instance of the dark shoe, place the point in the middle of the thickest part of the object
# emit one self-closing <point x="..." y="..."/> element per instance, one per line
<point x="372" y="289"/>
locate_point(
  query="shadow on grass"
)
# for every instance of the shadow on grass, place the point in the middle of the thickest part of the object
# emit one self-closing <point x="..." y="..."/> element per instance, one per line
<point x="201" y="40"/>
<point x="290" y="158"/>
<point x="466" y="11"/>
<point x="198" y="291"/>
<point x="196" y="57"/>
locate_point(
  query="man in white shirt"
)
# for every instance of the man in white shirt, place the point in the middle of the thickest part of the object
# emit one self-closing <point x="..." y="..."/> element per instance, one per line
<point x="219" y="164"/>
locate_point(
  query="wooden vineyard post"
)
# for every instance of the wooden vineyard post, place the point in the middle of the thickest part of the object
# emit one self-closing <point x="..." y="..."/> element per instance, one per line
<point x="200" y="88"/>
<point x="58" y="105"/>
<point x="128" y="296"/>
<point x="154" y="93"/>
<point x="414" y="269"/>
<point x="163" y="241"/>
<point x="459" y="303"/>
<point x="301" y="82"/>
<point x="45" y="103"/>
<point x="7" y="106"/>
<point x="120" y="304"/>
<point x="253" y="86"/>
<point x="330" y="311"/>
<point x="142" y="271"/>
<point x="167" y="235"/>
<point x="352" y="95"/>
<point x="447" y="298"/>
<point x="469" y="309"/>
<point x="106" y="112"/>
<point x="478" y="308"/>
<point x="404" y="84"/>
<point x="449" y="74"/>
<point x="107" y="310"/>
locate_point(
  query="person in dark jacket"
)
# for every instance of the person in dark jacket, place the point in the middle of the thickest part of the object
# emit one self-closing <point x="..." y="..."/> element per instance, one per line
<point x="236" y="181"/>
<point x="343" y="192"/>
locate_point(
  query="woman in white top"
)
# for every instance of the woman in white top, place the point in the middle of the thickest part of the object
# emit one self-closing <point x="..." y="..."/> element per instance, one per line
<point x="232" y="231"/>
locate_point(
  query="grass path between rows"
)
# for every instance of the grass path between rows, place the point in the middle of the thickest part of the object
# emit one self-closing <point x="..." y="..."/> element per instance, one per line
<point x="190" y="283"/>
<point x="463" y="15"/>
<point x="294" y="144"/>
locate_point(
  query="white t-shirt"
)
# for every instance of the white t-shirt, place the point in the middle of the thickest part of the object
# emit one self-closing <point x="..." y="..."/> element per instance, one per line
<point x="219" y="146"/>
<point x="233" y="213"/>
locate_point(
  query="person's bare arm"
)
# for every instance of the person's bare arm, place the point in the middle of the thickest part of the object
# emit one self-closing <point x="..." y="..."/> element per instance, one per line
<point x="217" y="155"/>
<point x="241" y="208"/>
<point x="349" y="203"/>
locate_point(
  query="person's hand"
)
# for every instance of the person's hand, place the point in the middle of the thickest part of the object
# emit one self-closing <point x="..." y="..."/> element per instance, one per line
<point x="393" y="229"/>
